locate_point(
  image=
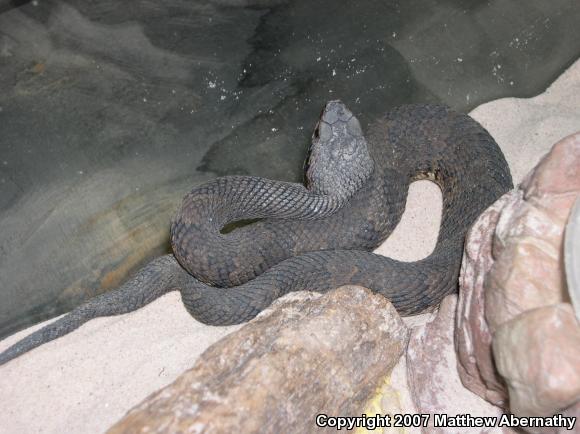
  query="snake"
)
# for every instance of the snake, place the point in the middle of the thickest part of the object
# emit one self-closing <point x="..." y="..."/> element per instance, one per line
<point x="318" y="235"/>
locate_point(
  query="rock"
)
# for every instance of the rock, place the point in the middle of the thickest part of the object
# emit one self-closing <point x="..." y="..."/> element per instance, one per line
<point x="432" y="374"/>
<point x="391" y="398"/>
<point x="573" y="411"/>
<point x="538" y="354"/>
<point x="572" y="256"/>
<point x="557" y="174"/>
<point x="472" y="335"/>
<point x="527" y="273"/>
<point x="513" y="264"/>
<point x="528" y="239"/>
<point x="307" y="354"/>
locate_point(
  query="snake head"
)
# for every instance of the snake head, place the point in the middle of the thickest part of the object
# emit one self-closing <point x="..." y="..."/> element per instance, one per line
<point x="338" y="160"/>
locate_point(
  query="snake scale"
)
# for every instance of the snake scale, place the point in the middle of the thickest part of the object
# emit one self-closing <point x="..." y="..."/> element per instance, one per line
<point x="318" y="235"/>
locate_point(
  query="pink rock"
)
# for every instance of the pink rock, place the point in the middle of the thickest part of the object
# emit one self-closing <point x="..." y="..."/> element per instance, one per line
<point x="528" y="239"/>
<point x="538" y="354"/>
<point x="472" y="336"/>
<point x="513" y="264"/>
<point x="558" y="172"/>
<point x="432" y="374"/>
<point x="527" y="276"/>
<point x="573" y="411"/>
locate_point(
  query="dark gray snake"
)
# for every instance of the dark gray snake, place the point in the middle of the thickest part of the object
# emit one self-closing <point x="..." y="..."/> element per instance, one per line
<point x="318" y="236"/>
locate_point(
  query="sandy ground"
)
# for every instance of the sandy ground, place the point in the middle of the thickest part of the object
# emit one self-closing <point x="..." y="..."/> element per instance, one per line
<point x="87" y="380"/>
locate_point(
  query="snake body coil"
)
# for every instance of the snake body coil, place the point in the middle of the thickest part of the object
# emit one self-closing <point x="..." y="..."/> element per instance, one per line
<point x="319" y="236"/>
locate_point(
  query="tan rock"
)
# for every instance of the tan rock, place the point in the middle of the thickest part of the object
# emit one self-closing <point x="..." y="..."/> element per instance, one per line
<point x="308" y="354"/>
<point x="392" y="398"/>
<point x="538" y="354"/>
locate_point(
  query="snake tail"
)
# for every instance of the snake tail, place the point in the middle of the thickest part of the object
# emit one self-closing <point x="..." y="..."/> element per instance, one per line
<point x="155" y="279"/>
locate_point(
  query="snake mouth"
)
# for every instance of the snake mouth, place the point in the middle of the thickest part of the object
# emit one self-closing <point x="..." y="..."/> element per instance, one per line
<point x="315" y="134"/>
<point x="315" y="140"/>
<point x="307" y="163"/>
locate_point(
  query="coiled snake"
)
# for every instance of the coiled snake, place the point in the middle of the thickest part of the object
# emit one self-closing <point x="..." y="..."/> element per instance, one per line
<point x="318" y="236"/>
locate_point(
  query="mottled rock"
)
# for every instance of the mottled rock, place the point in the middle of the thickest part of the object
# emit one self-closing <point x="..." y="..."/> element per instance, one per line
<point x="391" y="398"/>
<point x="573" y="411"/>
<point x="394" y="396"/>
<point x="528" y="240"/>
<point x="557" y="173"/>
<point x="572" y="256"/>
<point x="307" y="354"/>
<point x="538" y="354"/>
<point x="432" y="374"/>
<point x="513" y="264"/>
<point x="472" y="335"/>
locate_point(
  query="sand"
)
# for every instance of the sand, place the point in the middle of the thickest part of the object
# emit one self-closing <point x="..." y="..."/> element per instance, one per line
<point x="87" y="380"/>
